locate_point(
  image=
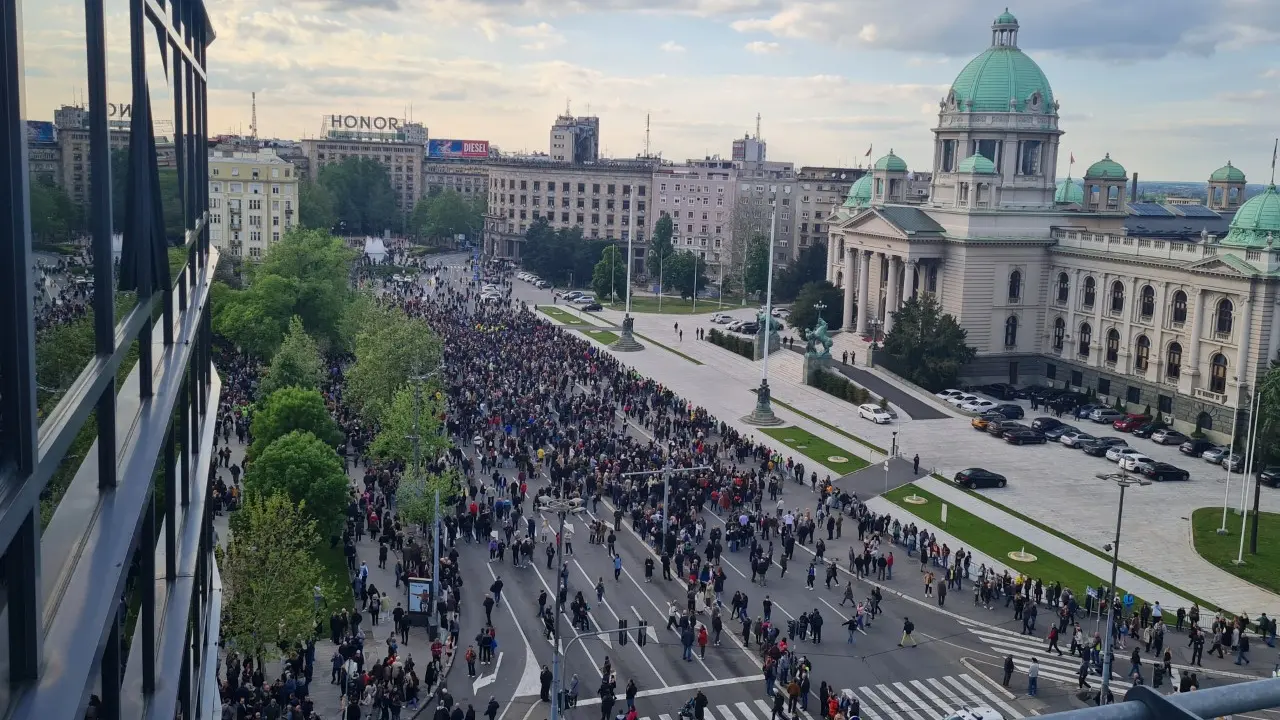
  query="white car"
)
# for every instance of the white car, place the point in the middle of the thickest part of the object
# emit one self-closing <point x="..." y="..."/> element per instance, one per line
<point x="979" y="406"/>
<point x="1075" y="437"/>
<point x="781" y="313"/>
<point x="1133" y="462"/>
<point x="571" y="294"/>
<point x="947" y="394"/>
<point x="735" y="325"/>
<point x="1116" y="453"/>
<point x="962" y="399"/>
<point x="722" y="318"/>
<point x="875" y="414"/>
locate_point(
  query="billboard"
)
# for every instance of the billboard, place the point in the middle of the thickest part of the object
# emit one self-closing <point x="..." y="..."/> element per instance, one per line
<point x="419" y="595"/>
<point x="40" y="131"/>
<point x="442" y="148"/>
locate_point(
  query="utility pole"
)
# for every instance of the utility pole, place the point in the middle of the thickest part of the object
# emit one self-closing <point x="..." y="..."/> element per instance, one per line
<point x="416" y="439"/>
<point x="667" y="474"/>
<point x="561" y="507"/>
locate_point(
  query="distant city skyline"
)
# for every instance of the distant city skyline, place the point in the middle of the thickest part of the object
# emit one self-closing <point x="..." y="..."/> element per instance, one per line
<point x="1172" y="92"/>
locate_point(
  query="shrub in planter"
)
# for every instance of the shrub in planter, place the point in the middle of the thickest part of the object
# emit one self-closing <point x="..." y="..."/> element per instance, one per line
<point x="841" y="387"/>
<point x="742" y="346"/>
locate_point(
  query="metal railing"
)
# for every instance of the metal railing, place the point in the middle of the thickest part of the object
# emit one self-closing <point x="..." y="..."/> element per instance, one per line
<point x="1143" y="703"/>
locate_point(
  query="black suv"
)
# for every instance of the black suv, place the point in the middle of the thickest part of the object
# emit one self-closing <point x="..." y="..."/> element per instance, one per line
<point x="1013" y="411"/>
<point x="1045" y="423"/>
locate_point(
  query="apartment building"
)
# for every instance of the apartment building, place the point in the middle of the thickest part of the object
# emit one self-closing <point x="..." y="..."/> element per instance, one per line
<point x="253" y="201"/>
<point x="403" y="161"/>
<point x="762" y="186"/>
<point x="594" y="196"/>
<point x="822" y="189"/>
<point x="699" y="196"/>
<point x="575" y="139"/>
<point x="73" y="154"/>
<point x="468" y="178"/>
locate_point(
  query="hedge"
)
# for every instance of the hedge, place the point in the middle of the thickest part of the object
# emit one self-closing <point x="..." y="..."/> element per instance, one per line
<point x="841" y="387"/>
<point x="742" y="346"/>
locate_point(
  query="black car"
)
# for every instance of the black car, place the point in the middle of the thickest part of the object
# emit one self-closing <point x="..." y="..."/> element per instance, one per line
<point x="1056" y="433"/>
<point x="999" y="427"/>
<point x="749" y="329"/>
<point x="1046" y="423"/>
<point x="1099" y="447"/>
<point x="592" y="307"/>
<point x="1195" y="447"/>
<point x="977" y="477"/>
<point x="1145" y="430"/>
<point x="1000" y="391"/>
<point x="1031" y="391"/>
<point x="1012" y="411"/>
<point x="1270" y="476"/>
<point x="1162" y="471"/>
<point x="1024" y="436"/>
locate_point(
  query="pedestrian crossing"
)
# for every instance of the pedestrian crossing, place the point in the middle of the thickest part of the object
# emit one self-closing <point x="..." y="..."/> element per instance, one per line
<point x="1060" y="668"/>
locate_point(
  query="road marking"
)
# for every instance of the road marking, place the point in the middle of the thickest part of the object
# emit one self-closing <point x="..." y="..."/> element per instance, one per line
<point x="988" y="694"/>
<point x="746" y="711"/>
<point x="696" y="657"/>
<point x="554" y="598"/>
<point x="653" y="636"/>
<point x="686" y="688"/>
<point x="914" y="700"/>
<point x="487" y="680"/>
<point x="906" y="707"/>
<point x="530" y="683"/>
<point x="764" y="708"/>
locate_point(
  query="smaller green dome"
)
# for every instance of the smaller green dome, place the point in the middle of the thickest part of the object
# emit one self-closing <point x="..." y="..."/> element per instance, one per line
<point x="1006" y="18"/>
<point x="978" y="164"/>
<point x="1227" y="173"/>
<point x="859" y="193"/>
<point x="1069" y="192"/>
<point x="1255" y="221"/>
<point x="891" y="163"/>
<point x="1106" y="169"/>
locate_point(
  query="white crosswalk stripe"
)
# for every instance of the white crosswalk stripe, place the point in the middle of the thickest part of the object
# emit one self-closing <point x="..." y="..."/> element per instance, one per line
<point x="928" y="699"/>
<point x="1064" y="668"/>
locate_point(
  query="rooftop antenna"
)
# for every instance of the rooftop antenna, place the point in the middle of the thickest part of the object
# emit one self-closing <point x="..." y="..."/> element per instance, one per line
<point x="646" y="134"/>
<point x="757" y="126"/>
<point x="253" y="121"/>
<point x="567" y="111"/>
<point x="1274" y="150"/>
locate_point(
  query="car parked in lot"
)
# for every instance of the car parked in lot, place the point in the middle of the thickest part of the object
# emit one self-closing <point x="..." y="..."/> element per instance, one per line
<point x="1168" y="436"/>
<point x="1084" y="411"/>
<point x="749" y="328"/>
<point x="1233" y="462"/>
<point x="1131" y="422"/>
<point x="980" y="405"/>
<point x="1098" y="447"/>
<point x="592" y="307"/>
<point x="1106" y="415"/>
<point x="1145" y="430"/>
<point x="1195" y="447"/>
<point x="1013" y="411"/>
<point x="1076" y="438"/>
<point x="1161" y="471"/>
<point x="948" y="394"/>
<point x="735" y="325"/>
<point x="961" y="399"/>
<point x="1056" y="433"/>
<point x="1215" y="454"/>
<point x="875" y="414"/>
<point x="980" y="422"/>
<point x="722" y="318"/>
<point x="1133" y="460"/>
<point x="1003" y="391"/>
<point x="1045" y="423"/>
<point x="978" y="477"/>
<point x="1119" y="450"/>
<point x="998" y="428"/>
<point x="1270" y="476"/>
<point x="1024" y="436"/>
<point x="570" y="294"/>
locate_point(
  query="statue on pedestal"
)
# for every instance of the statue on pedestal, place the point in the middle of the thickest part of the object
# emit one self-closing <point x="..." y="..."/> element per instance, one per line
<point x="817" y="343"/>
<point x="628" y="323"/>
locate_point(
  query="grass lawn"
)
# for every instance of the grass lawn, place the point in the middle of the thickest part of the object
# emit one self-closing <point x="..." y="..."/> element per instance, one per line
<point x="563" y="317"/>
<point x="812" y="446"/>
<point x="829" y="426"/>
<point x="604" y="336"/>
<point x="1262" y="569"/>
<point x="335" y="576"/>
<point x="678" y="306"/>
<point x="668" y="348"/>
<point x="993" y="541"/>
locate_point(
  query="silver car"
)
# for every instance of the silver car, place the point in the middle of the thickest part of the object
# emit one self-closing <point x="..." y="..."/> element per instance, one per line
<point x="1215" y="454"/>
<point x="1076" y="438"/>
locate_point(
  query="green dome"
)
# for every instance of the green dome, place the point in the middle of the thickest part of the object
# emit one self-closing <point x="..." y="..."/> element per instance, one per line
<point x="891" y="163"/>
<point x="977" y="164"/>
<point x="1227" y="173"/>
<point x="859" y="193"/>
<point x="1255" y="220"/>
<point x="1106" y="169"/>
<point x="1069" y="192"/>
<point x="1002" y="79"/>
<point x="1006" y="18"/>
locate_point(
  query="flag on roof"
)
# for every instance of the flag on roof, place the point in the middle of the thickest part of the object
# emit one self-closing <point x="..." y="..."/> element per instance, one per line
<point x="868" y="152"/>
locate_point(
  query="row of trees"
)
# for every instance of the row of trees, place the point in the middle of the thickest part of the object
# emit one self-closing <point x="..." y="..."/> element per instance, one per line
<point x="56" y="219"/>
<point x="443" y="215"/>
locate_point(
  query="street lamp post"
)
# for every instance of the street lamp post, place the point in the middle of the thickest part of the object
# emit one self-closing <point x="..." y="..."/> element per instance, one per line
<point x="1251" y="446"/>
<point x="415" y="439"/>
<point x="667" y="474"/>
<point x="626" y="341"/>
<point x="563" y="508"/>
<point x="763" y="413"/>
<point x="1226" y="491"/>
<point x="1123" y="480"/>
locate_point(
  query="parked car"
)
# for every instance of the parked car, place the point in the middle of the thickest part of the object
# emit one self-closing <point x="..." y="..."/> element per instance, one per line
<point x="1195" y="447"/>
<point x="1119" y="448"/>
<point x="1270" y="476"/>
<point x="1233" y="462"/>
<point x="978" y="477"/>
<point x="1084" y="411"/>
<point x="735" y="325"/>
<point x="1028" y="392"/>
<point x="998" y="428"/>
<point x="1168" y="436"/>
<point x="749" y="328"/>
<point x="1076" y="438"/>
<point x="1003" y="391"/>
<point x="1105" y="415"/>
<point x="583" y="299"/>
<point x="961" y="399"/>
<point x="1215" y="454"/>
<point x="542" y="284"/>
<point x="1132" y="460"/>
<point x="1013" y="411"/>
<point x="1100" y="446"/>
<point x="570" y="295"/>
<point x="874" y="413"/>
<point x="592" y="307"/>
<point x="1056" y="433"/>
<point x="722" y="318"/>
<point x="1045" y="423"/>
<point x="1161" y="471"/>
<point x="980" y="405"/>
<point x="947" y="394"/>
<point x="1023" y="436"/>
<point x="980" y="422"/>
<point x="1131" y="422"/>
<point x="1145" y="430"/>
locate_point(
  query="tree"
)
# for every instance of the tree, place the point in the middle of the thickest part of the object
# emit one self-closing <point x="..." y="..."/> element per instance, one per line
<point x="363" y="200"/>
<point x="756" y="274"/>
<point x="928" y="344"/>
<point x="170" y="197"/>
<point x="316" y="207"/>
<point x="445" y="215"/>
<point x="54" y="218"/>
<point x="230" y="271"/>
<point x="290" y="409"/>
<point x="392" y="349"/>
<point x="416" y="494"/>
<point x="560" y="256"/>
<point x="270" y="575"/>
<point x="609" y="277"/>
<point x="747" y="220"/>
<point x="804" y="311"/>
<point x="296" y="364"/>
<point x="659" y="247"/>
<point x="392" y="443"/>
<point x="685" y="271"/>
<point x="307" y="470"/>
<point x="810" y="266"/>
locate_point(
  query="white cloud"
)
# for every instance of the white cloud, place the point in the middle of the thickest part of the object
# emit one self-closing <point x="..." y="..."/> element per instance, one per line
<point x="1271" y="73"/>
<point x="539" y="36"/>
<point x="671" y="46"/>
<point x="1247" y="96"/>
<point x="868" y="33"/>
<point x="760" y="47"/>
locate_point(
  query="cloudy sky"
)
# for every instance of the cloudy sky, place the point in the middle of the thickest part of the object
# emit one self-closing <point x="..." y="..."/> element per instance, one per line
<point x="1171" y="88"/>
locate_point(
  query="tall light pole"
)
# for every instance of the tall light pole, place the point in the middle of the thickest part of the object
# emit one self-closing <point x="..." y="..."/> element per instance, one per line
<point x="763" y="413"/>
<point x="1226" y="491"/>
<point x="667" y="473"/>
<point x="416" y="439"/>
<point x="695" y="282"/>
<point x="1123" y="480"/>
<point x="626" y="341"/>
<point x="562" y="507"/>
<point x="1251" y="446"/>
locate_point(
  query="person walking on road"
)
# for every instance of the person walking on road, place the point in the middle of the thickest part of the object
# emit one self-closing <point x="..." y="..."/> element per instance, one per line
<point x="1008" y="670"/>
<point x="1033" y="677"/>
<point x="908" y="628"/>
<point x="617" y="568"/>
<point x="491" y="710"/>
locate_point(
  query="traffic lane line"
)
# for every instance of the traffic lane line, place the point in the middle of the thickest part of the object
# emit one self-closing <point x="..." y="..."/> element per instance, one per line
<point x="618" y="621"/>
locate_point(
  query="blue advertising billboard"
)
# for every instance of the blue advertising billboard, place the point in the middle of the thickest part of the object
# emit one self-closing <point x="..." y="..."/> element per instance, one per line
<point x="40" y="131"/>
<point x="442" y="148"/>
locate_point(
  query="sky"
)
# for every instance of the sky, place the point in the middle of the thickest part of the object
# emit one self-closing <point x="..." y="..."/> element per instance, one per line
<point x="1171" y="88"/>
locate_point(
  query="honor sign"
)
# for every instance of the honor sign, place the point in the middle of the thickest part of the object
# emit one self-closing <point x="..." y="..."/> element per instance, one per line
<point x="364" y="122"/>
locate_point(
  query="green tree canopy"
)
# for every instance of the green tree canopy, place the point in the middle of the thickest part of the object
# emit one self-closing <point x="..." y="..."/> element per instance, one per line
<point x="296" y="364"/>
<point x="804" y="311"/>
<point x="558" y="256"/>
<point x="54" y="218"/>
<point x="928" y="344"/>
<point x="442" y="216"/>
<point x="756" y="276"/>
<point x="609" y="277"/>
<point x="316" y="207"/>
<point x="679" y="272"/>
<point x="289" y="409"/>
<point x="391" y="349"/>
<point x="415" y="496"/>
<point x="810" y="266"/>
<point x="363" y="200"/>
<point x="660" y="240"/>
<point x="307" y="470"/>
<point x="270" y="575"/>
<point x="395" y="427"/>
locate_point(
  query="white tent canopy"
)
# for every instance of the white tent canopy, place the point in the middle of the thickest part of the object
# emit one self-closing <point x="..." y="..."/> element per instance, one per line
<point x="374" y="249"/>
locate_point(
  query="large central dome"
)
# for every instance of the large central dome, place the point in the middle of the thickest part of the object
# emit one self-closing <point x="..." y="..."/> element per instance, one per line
<point x="1002" y="78"/>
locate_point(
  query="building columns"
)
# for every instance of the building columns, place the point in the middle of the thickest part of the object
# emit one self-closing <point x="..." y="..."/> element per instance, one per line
<point x="864" y="290"/>
<point x="894" y="294"/>
<point x="1197" y="325"/>
<point x="1243" y="371"/>
<point x="848" y="287"/>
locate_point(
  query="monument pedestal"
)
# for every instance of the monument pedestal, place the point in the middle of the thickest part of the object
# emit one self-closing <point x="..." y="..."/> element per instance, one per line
<point x="814" y="364"/>
<point x="775" y="344"/>
<point x="762" y="415"/>
<point x="626" y="341"/>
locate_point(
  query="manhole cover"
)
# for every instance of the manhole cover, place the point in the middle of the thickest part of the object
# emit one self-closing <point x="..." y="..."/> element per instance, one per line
<point x="838" y="459"/>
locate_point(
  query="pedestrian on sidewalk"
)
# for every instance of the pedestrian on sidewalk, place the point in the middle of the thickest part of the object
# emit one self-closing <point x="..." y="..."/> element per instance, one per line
<point x="1008" y="670"/>
<point x="1033" y="677"/>
<point x="915" y="464"/>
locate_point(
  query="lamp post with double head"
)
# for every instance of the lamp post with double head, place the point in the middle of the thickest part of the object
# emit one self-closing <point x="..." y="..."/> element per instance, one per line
<point x="563" y="507"/>
<point x="1124" y="481"/>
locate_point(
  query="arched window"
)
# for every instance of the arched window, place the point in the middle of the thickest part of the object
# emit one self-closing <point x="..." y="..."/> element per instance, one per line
<point x="1011" y="331"/>
<point x="1224" y="317"/>
<point x="1173" y="361"/>
<point x="1064" y="287"/>
<point x="1142" y="355"/>
<point x="1059" y="333"/>
<point x="1179" y="307"/>
<point x="1204" y="421"/>
<point x="1117" y="297"/>
<point x="1015" y="285"/>
<point x="1148" y="306"/>
<point x="1090" y="292"/>
<point x="1086" y="334"/>
<point x="1113" y="345"/>
<point x="1218" y="373"/>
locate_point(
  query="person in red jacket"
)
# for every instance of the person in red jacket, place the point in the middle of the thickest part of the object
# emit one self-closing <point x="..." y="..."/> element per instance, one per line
<point x="702" y="641"/>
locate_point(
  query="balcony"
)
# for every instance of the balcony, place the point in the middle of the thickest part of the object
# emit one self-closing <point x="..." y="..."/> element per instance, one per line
<point x="1210" y="396"/>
